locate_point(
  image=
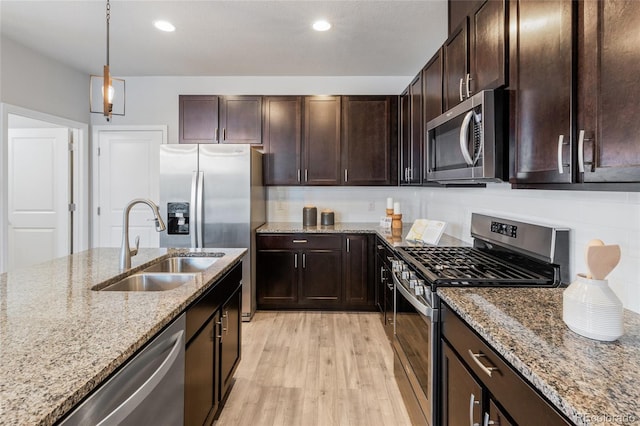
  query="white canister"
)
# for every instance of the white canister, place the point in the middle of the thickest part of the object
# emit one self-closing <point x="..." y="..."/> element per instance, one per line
<point x="591" y="309"/>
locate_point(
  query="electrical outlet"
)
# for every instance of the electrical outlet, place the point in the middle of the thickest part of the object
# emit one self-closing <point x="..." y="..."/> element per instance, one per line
<point x="372" y="206"/>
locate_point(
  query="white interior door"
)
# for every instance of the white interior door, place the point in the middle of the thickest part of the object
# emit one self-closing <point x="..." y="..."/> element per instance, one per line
<point x="128" y="168"/>
<point x="38" y="196"/>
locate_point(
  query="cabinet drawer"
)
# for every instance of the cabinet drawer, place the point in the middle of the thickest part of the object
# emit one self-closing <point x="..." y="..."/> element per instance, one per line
<point x="299" y="241"/>
<point x="518" y="397"/>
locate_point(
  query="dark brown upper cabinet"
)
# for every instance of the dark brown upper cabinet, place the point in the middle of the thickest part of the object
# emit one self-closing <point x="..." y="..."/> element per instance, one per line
<point x="459" y="10"/>
<point x="282" y="138"/>
<point x="475" y="52"/>
<point x="432" y="87"/>
<point x="198" y="121"/>
<point x="542" y="91"/>
<point x="487" y="52"/>
<point x="321" y="152"/>
<point x="241" y="119"/>
<point x="369" y="140"/>
<point x="608" y="132"/>
<point x="455" y="54"/>
<point x="220" y="119"/>
<point x="411" y="118"/>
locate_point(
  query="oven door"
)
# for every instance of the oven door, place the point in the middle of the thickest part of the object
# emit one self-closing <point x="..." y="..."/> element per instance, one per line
<point x="414" y="344"/>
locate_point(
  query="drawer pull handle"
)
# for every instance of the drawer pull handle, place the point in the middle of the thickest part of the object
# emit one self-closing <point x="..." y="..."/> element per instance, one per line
<point x="299" y="241"/>
<point x="476" y="359"/>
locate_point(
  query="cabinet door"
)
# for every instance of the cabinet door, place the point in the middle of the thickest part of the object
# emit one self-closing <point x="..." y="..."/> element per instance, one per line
<point x="461" y="393"/>
<point x="541" y="79"/>
<point x="322" y="140"/>
<point x="357" y="289"/>
<point x="496" y="416"/>
<point x="198" y="121"/>
<point x="282" y="137"/>
<point x="456" y="65"/>
<point x="321" y="278"/>
<point x="488" y="52"/>
<point x="608" y="91"/>
<point x="241" y="119"/>
<point x="276" y="278"/>
<point x="367" y="141"/>
<point x="200" y="393"/>
<point x="459" y="10"/>
<point x="416" y="130"/>
<point x="230" y="338"/>
<point x="405" y="137"/>
<point x="432" y="87"/>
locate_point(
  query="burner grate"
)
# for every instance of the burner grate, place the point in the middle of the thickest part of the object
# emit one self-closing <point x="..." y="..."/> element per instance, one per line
<point x="469" y="266"/>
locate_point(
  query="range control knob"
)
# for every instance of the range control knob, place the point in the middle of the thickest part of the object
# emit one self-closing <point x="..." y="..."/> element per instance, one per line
<point x="419" y="289"/>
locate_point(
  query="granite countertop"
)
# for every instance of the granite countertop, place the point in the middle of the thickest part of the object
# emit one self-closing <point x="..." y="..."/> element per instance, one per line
<point x="591" y="382"/>
<point x="392" y="238"/>
<point x="59" y="339"/>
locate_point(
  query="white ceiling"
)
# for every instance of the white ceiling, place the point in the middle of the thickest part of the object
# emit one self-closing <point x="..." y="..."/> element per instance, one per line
<point x="232" y="38"/>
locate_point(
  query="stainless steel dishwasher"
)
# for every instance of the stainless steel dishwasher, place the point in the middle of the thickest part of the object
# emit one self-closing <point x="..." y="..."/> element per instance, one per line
<point x="149" y="389"/>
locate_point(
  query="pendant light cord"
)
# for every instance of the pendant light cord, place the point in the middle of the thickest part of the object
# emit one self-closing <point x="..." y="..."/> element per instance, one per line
<point x="108" y="18"/>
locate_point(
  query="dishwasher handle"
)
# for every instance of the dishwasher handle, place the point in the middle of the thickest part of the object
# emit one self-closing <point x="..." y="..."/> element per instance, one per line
<point x="139" y="395"/>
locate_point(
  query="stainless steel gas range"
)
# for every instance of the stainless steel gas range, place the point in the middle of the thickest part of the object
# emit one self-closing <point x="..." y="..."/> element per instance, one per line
<point x="505" y="253"/>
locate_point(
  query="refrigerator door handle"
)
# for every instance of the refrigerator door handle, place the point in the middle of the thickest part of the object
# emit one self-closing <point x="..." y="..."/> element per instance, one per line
<point x="193" y="210"/>
<point x="200" y="213"/>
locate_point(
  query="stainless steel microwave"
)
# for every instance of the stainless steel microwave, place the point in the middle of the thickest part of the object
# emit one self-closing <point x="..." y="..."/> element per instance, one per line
<point x="465" y="144"/>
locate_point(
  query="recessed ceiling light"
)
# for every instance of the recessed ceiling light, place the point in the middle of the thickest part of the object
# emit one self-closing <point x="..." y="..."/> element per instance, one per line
<point x="321" y="25"/>
<point x="164" y="26"/>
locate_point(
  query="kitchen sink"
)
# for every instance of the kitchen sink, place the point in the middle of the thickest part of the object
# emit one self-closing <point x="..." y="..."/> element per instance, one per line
<point x="181" y="265"/>
<point x="149" y="282"/>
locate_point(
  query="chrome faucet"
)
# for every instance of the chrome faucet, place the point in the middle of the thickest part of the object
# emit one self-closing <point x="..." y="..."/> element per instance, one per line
<point x="125" y="251"/>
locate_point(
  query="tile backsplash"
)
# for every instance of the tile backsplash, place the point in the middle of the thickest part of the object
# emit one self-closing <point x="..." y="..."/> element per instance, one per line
<point x="613" y="217"/>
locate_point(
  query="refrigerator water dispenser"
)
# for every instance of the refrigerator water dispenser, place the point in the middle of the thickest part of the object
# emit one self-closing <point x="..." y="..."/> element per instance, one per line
<point x="178" y="218"/>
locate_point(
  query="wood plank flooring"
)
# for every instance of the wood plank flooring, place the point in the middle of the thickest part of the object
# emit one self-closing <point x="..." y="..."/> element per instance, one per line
<point x="314" y="368"/>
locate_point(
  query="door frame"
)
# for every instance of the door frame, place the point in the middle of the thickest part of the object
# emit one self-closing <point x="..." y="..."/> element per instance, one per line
<point x="95" y="161"/>
<point x="80" y="134"/>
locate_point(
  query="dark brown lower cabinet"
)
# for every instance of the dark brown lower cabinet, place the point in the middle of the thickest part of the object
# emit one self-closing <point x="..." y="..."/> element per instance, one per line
<point x="478" y="384"/>
<point x="212" y="348"/>
<point x="277" y="275"/>
<point x="356" y="270"/>
<point x="230" y="337"/>
<point x="200" y="394"/>
<point x="314" y="271"/>
<point x="462" y="394"/>
<point x="320" y="278"/>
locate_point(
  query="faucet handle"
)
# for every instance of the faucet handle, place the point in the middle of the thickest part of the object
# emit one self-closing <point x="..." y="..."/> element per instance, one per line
<point x="135" y="250"/>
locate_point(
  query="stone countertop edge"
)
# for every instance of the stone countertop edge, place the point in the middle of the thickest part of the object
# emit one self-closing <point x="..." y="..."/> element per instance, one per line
<point x="390" y="238"/>
<point x="61" y="339"/>
<point x="589" y="381"/>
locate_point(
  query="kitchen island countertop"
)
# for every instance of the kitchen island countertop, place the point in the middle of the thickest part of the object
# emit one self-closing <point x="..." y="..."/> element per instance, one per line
<point x="591" y="382"/>
<point x="59" y="339"/>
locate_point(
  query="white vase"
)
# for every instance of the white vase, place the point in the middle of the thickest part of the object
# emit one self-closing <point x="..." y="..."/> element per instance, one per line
<point x="591" y="309"/>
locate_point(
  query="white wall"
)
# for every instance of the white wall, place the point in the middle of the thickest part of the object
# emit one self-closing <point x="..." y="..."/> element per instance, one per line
<point x="154" y="100"/>
<point x="33" y="81"/>
<point x="613" y="217"/>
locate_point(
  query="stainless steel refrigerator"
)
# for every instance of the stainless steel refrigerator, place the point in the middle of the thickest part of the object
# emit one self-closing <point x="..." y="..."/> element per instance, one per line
<point x="212" y="196"/>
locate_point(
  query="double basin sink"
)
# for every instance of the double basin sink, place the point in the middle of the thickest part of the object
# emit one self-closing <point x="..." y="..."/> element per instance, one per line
<point x="165" y="275"/>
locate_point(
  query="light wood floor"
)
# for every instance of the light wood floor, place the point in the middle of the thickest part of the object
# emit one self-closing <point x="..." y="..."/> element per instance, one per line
<point x="314" y="368"/>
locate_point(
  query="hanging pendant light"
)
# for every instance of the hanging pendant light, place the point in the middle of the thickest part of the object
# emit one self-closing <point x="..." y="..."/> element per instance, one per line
<point x="107" y="94"/>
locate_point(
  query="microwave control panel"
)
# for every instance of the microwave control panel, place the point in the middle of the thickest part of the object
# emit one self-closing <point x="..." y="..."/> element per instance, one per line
<point x="504" y="229"/>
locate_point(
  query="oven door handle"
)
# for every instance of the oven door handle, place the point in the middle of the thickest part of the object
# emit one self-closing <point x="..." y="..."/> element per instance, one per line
<point x="423" y="309"/>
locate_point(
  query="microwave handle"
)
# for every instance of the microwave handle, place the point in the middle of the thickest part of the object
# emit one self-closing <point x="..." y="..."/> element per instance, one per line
<point x="464" y="143"/>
